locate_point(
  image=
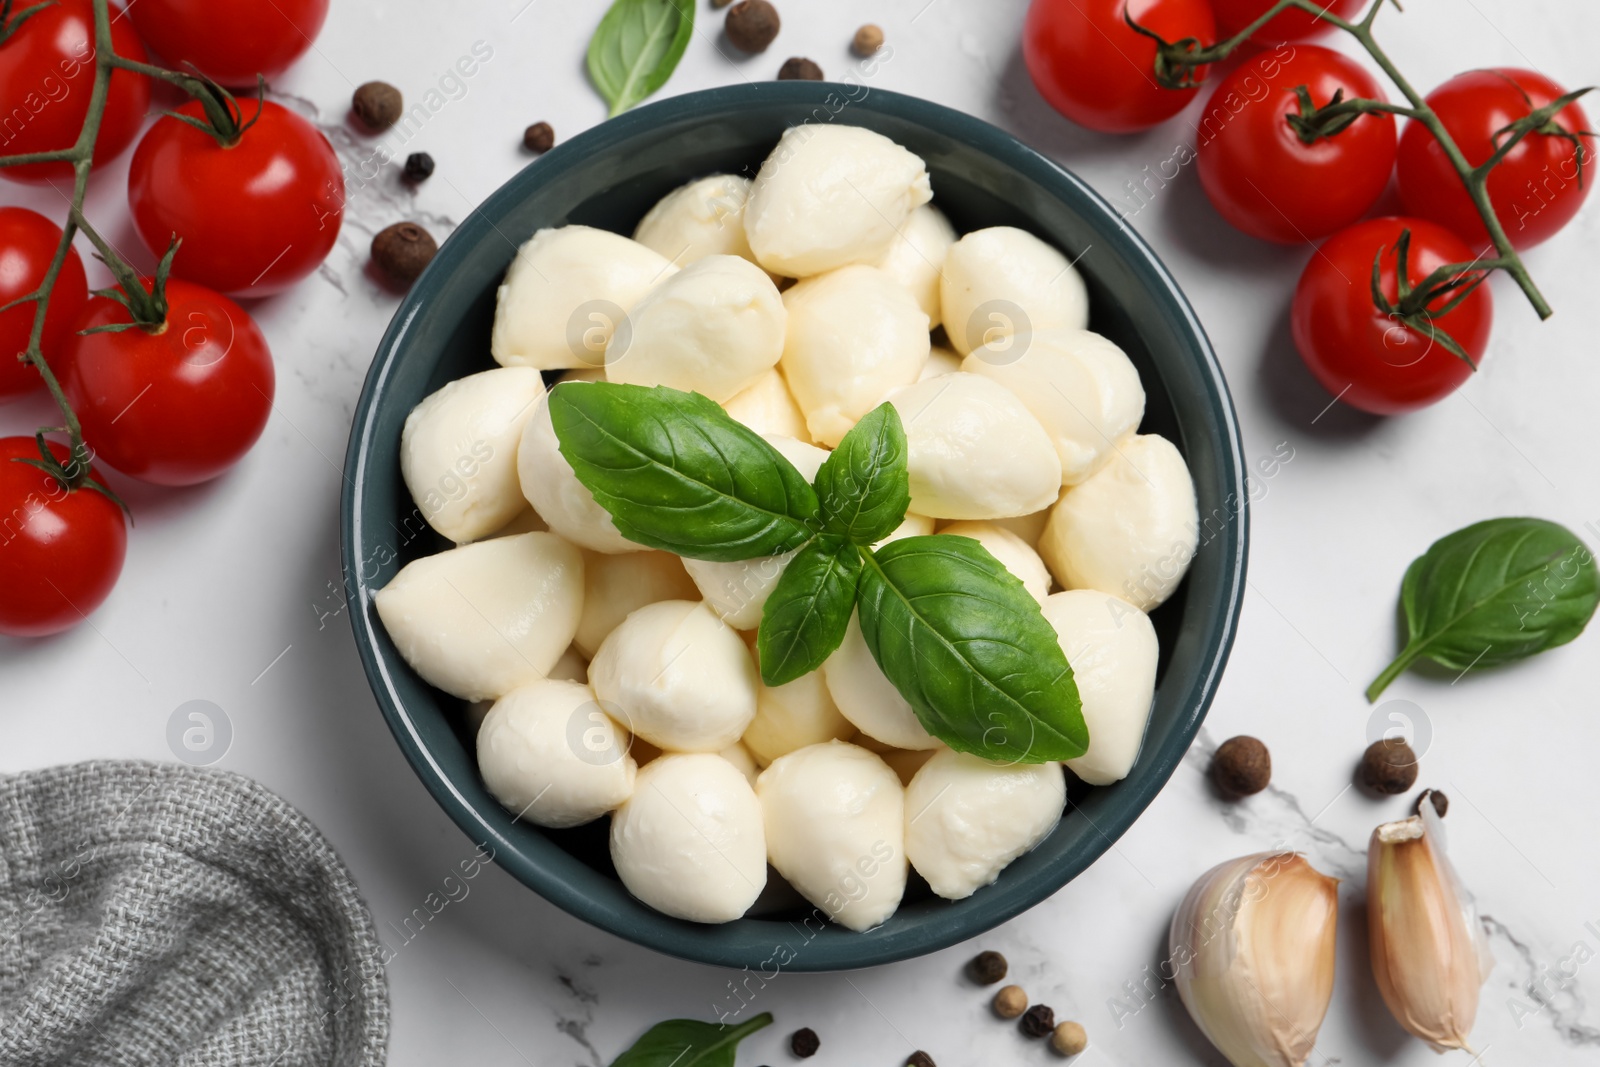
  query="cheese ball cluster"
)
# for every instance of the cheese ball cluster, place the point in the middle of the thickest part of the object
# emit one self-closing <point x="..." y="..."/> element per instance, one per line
<point x="610" y="679"/>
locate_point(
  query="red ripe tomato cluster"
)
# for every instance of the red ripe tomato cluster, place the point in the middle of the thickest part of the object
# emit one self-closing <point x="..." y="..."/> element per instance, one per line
<point x="1274" y="178"/>
<point x="178" y="400"/>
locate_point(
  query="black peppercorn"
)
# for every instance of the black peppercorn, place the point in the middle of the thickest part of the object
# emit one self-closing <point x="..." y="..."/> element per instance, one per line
<point x="751" y="25"/>
<point x="377" y="105"/>
<point x="804" y="1042"/>
<point x="920" y="1059"/>
<point x="1241" y="767"/>
<point x="538" y="138"/>
<point x="1038" y="1021"/>
<point x="799" y="69"/>
<point x="1441" y="803"/>
<point x="987" y="968"/>
<point x="402" y="250"/>
<point x="1388" y="766"/>
<point x="419" y="167"/>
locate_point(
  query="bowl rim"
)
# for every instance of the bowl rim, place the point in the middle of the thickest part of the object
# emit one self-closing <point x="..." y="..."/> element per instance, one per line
<point x="679" y="939"/>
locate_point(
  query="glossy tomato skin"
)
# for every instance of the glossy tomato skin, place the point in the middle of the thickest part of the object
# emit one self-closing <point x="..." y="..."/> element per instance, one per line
<point x="1266" y="181"/>
<point x="1364" y="357"/>
<point x="46" y="73"/>
<point x="177" y="407"/>
<point x="1534" y="190"/>
<point x="254" y="218"/>
<point x="61" y="550"/>
<point x="1098" y="71"/>
<point x="1234" y="16"/>
<point x="230" y="40"/>
<point x="28" y="243"/>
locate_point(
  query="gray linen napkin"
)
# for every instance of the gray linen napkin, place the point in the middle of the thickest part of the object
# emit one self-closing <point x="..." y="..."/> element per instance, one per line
<point x="164" y="915"/>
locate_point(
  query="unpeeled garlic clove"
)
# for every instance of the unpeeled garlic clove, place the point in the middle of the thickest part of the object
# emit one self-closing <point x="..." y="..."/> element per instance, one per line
<point x="1430" y="954"/>
<point x="1252" y="945"/>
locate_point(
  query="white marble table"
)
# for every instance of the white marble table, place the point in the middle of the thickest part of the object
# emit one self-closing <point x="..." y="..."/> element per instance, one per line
<point x="231" y="592"/>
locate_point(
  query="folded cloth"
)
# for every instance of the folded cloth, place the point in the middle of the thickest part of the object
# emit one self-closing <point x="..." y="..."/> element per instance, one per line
<point x="164" y="915"/>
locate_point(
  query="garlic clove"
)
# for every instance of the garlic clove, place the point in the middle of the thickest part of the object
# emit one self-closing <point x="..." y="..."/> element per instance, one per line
<point x="1252" y="945"/>
<point x="1430" y="954"/>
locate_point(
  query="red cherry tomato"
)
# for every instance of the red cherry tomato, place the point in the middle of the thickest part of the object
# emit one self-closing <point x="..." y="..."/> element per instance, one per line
<point x="28" y="243"/>
<point x="1364" y="357"/>
<point x="1535" y="190"/>
<point x="1234" y="16"/>
<point x="1097" y="70"/>
<point x="46" y="72"/>
<point x="230" y="40"/>
<point x="1258" y="172"/>
<point x="255" y="217"/>
<point x="60" y="550"/>
<point x="175" y="407"/>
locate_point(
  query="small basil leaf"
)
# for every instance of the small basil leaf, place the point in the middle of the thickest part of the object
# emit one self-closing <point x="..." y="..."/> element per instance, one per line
<point x="689" y="1043"/>
<point x="805" y="617"/>
<point x="676" y="473"/>
<point x="863" y="485"/>
<point x="1495" y="592"/>
<point x="636" y="47"/>
<point x="966" y="645"/>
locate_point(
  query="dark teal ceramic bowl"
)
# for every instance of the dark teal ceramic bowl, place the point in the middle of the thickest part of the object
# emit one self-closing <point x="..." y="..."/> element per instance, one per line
<point x="609" y="177"/>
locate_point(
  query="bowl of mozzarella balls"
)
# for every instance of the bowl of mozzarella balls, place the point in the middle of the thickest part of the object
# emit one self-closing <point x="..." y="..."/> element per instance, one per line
<point x="794" y="258"/>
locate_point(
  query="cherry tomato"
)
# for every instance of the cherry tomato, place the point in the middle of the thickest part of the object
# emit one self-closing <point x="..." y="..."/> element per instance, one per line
<point x="230" y="40"/>
<point x="1097" y="70"/>
<point x="60" y="550"/>
<point x="28" y="243"/>
<point x="255" y="217"/>
<point x="46" y="72"/>
<point x="1258" y="172"/>
<point x="1234" y="16"/>
<point x="178" y="406"/>
<point x="1535" y="190"/>
<point x="1364" y="357"/>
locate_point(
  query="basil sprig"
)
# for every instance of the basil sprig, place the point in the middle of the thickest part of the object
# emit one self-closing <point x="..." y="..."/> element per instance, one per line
<point x="636" y="48"/>
<point x="1493" y="593"/>
<point x="951" y="628"/>
<point x="690" y="1043"/>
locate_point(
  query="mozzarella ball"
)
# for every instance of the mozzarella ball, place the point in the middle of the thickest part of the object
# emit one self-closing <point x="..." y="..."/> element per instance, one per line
<point x="1015" y="554"/>
<point x="831" y="195"/>
<point x="806" y="458"/>
<point x="713" y="328"/>
<point x="690" y="841"/>
<point x="853" y="336"/>
<point x="740" y="756"/>
<point x="1004" y="281"/>
<point x="480" y="620"/>
<point x="912" y="525"/>
<point x="916" y="255"/>
<point x="973" y="450"/>
<point x="794" y="715"/>
<point x="867" y="698"/>
<point x="967" y="818"/>
<point x="1130" y="529"/>
<point x="565" y="503"/>
<point x="702" y="218"/>
<point x="677" y="677"/>
<point x="941" y="360"/>
<point x="564" y="293"/>
<point x="551" y="756"/>
<point x="1082" y="388"/>
<point x="767" y="407"/>
<point x="1113" y="651"/>
<point x="835" y="820"/>
<point x="458" y="451"/>
<point x="616" y="586"/>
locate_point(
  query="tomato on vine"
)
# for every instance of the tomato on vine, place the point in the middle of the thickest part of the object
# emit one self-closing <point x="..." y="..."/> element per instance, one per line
<point x="1383" y="359"/>
<point x="176" y="403"/>
<point x="1535" y="190"/>
<point x="257" y="206"/>
<point x="1269" y="171"/>
<point x="46" y="73"/>
<point x="1097" y="70"/>
<point x="1235" y="16"/>
<point x="28" y="244"/>
<point x="61" y="549"/>
<point x="230" y="41"/>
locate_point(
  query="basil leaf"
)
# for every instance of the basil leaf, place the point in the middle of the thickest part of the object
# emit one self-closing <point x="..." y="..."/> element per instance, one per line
<point x="689" y="1043"/>
<point x="806" y="615"/>
<point x="966" y="645"/>
<point x="636" y="47"/>
<point x="863" y="485"/>
<point x="1492" y="593"/>
<point x="676" y="473"/>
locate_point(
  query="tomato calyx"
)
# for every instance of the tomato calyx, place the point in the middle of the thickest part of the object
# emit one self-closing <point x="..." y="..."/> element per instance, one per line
<point x="73" y="474"/>
<point x="1541" y="120"/>
<point x="1414" y="308"/>
<point x="1312" y="123"/>
<point x="146" y="307"/>
<point x="224" y="121"/>
<point x="1175" y="66"/>
<point x="11" y="22"/>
